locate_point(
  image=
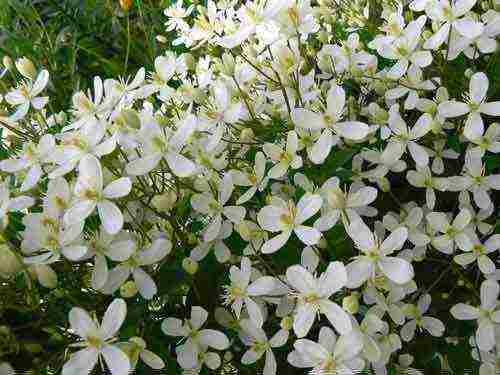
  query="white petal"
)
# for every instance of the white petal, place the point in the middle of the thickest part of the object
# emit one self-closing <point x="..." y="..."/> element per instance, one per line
<point x="81" y="362"/>
<point x="461" y="311"/>
<point x="398" y="270"/>
<point x="214" y="339"/>
<point x="111" y="216"/>
<point x="275" y="243"/>
<point x="308" y="235"/>
<point x="118" y="188"/>
<point x="152" y="360"/>
<point x="339" y="319"/>
<point x="113" y="318"/>
<point x="180" y="165"/>
<point x="116" y="360"/>
<point x="145" y="284"/>
<point x="81" y="322"/>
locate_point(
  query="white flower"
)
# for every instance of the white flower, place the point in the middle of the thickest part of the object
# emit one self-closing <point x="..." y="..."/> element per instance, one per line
<point x="405" y="49"/>
<point x="476" y="251"/>
<point x="240" y="292"/>
<point x="91" y="194"/>
<point x="286" y="218"/>
<point x="475" y="105"/>
<point x="350" y="204"/>
<point x="214" y="208"/>
<point x="284" y="159"/>
<point x="158" y="250"/>
<point x="422" y="178"/>
<point x="332" y="355"/>
<point x="416" y="313"/>
<point x="32" y="158"/>
<point x="375" y="256"/>
<point x="487" y="315"/>
<point x="330" y="123"/>
<point x="26" y="96"/>
<point x="452" y="233"/>
<point x="313" y="297"/>
<point x="448" y="15"/>
<point x="256" y="180"/>
<point x="195" y="337"/>
<point x="474" y="179"/>
<point x="9" y="204"/>
<point x="255" y="337"/>
<point x="135" y="348"/>
<point x="97" y="341"/>
<point x="221" y="251"/>
<point x="402" y="138"/>
<point x="160" y="144"/>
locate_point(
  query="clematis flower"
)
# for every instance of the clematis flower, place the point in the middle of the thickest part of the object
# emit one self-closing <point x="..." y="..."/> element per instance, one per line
<point x="284" y="159"/>
<point x="97" y="341"/>
<point x="256" y="338"/>
<point x="157" y="144"/>
<point x="350" y="204"/>
<point x="452" y="233"/>
<point x="331" y="355"/>
<point x="313" y="297"/>
<point x="448" y="15"/>
<point x="26" y="96"/>
<point x="476" y="251"/>
<point x="256" y="180"/>
<point x="195" y="337"/>
<point x="91" y="194"/>
<point x="376" y="256"/>
<point x="330" y="123"/>
<point x="475" y="105"/>
<point x="150" y="255"/>
<point x="32" y="159"/>
<point x="422" y="178"/>
<point x="403" y="138"/>
<point x="487" y="314"/>
<point x="286" y="218"/>
<point x="135" y="348"/>
<point x="240" y="292"/>
<point x="474" y="180"/>
<point x="206" y="204"/>
<point x="417" y="319"/>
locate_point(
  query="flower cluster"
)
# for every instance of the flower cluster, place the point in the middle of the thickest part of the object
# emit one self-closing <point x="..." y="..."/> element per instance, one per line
<point x="327" y="171"/>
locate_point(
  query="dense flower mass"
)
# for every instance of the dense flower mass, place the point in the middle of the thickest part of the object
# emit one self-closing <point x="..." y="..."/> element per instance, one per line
<point x="338" y="176"/>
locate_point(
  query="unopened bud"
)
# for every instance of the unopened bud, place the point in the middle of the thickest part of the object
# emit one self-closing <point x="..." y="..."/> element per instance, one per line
<point x="9" y="263"/>
<point x="322" y="243"/>
<point x="468" y="72"/>
<point x="246" y="135"/>
<point x="189" y="60"/>
<point x="190" y="266"/>
<point x="161" y="39"/>
<point x="286" y="323"/>
<point x="228" y="64"/>
<point x="165" y="201"/>
<point x="192" y="239"/>
<point x="7" y="62"/>
<point x="26" y="68"/>
<point x="351" y="303"/>
<point x="460" y="282"/>
<point x="126" y="4"/>
<point x="128" y="290"/>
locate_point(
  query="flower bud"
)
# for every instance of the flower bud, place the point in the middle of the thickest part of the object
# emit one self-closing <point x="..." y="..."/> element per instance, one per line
<point x="246" y="135"/>
<point x="126" y="4"/>
<point x="165" y="201"/>
<point x="192" y="239"/>
<point x="128" y="290"/>
<point x="26" y="68"/>
<point x="7" y="62"/>
<point x="161" y="39"/>
<point x="189" y="60"/>
<point x="228" y="64"/>
<point x="323" y="243"/>
<point x="9" y="263"/>
<point x="286" y="323"/>
<point x="468" y="73"/>
<point x="351" y="303"/>
<point x="190" y="266"/>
